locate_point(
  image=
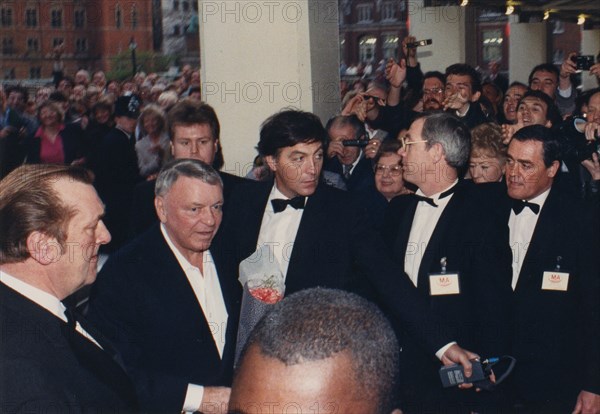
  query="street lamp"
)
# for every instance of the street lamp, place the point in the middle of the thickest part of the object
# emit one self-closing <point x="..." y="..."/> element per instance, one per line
<point x="132" y="47"/>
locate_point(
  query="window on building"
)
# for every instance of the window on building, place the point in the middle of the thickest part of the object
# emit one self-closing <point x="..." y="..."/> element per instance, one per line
<point x="366" y="48"/>
<point x="35" y="72"/>
<point x="176" y="30"/>
<point x="9" y="73"/>
<point x="363" y="12"/>
<point x="56" y="18"/>
<point x="8" y="46"/>
<point x="118" y="17"/>
<point x="79" y="18"/>
<point x="390" y="46"/>
<point x="134" y="17"/>
<point x="185" y="5"/>
<point x="31" y="17"/>
<point x="388" y="10"/>
<point x="175" y="4"/>
<point x="81" y="45"/>
<point x="33" y="44"/>
<point x="6" y="16"/>
<point x="492" y="45"/>
<point x="57" y="41"/>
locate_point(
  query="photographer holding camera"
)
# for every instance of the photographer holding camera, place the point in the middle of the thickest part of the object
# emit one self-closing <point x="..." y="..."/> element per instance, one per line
<point x="581" y="145"/>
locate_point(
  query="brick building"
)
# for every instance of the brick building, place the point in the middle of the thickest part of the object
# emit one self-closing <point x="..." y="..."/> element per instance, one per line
<point x="93" y="32"/>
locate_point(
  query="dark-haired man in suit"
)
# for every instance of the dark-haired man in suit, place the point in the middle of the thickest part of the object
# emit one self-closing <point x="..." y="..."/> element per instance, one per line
<point x="452" y="247"/>
<point x="556" y="281"/>
<point x="165" y="302"/>
<point x="316" y="235"/>
<point x="52" y="228"/>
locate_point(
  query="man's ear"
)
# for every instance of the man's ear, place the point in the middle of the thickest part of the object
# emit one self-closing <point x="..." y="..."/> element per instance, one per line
<point x="436" y="152"/>
<point x="553" y="169"/>
<point x="475" y="96"/>
<point x="43" y="248"/>
<point x="271" y="162"/>
<point x="159" y="205"/>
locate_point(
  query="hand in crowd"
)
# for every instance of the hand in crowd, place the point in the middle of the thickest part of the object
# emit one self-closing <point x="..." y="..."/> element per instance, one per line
<point x="372" y="148"/>
<point x="587" y="403"/>
<point x="215" y="400"/>
<point x="508" y="130"/>
<point x="335" y="148"/>
<point x="595" y="70"/>
<point x="395" y="73"/>
<point x="592" y="130"/>
<point x="568" y="66"/>
<point x="410" y="53"/>
<point x="356" y="106"/>
<point x="455" y="101"/>
<point x="593" y="166"/>
<point x="456" y="355"/>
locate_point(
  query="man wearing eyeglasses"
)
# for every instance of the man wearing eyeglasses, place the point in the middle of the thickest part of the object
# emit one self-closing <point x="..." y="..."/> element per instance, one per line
<point x="449" y="242"/>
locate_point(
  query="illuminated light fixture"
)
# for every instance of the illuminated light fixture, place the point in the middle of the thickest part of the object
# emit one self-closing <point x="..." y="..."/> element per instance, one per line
<point x="581" y="19"/>
<point x="464" y="3"/>
<point x="546" y="14"/>
<point x="510" y="9"/>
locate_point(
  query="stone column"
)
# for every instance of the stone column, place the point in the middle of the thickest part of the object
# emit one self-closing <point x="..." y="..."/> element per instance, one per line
<point x="590" y="45"/>
<point x="258" y="57"/>
<point x="528" y="48"/>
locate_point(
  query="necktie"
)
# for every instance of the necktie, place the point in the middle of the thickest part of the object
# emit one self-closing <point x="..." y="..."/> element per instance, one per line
<point x="430" y="201"/>
<point x="280" y="204"/>
<point x="519" y="205"/>
<point x="347" y="169"/>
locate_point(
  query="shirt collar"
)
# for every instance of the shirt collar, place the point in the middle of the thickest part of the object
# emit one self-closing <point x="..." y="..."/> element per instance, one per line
<point x="436" y="197"/>
<point x="183" y="262"/>
<point x="44" y="299"/>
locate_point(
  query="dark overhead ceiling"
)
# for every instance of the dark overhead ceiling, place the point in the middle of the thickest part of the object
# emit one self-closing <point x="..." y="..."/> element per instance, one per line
<point x="567" y="10"/>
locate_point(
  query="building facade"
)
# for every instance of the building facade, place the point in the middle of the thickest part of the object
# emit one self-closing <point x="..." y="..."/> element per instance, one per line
<point x="93" y="33"/>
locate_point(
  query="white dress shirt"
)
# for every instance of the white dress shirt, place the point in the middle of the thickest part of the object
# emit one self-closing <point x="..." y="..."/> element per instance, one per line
<point x="207" y="290"/>
<point x="521" y="229"/>
<point x="44" y="299"/>
<point x="278" y="231"/>
<point x="424" y="223"/>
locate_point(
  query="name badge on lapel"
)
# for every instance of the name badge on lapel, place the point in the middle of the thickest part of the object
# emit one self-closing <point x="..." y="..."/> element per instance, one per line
<point x="556" y="279"/>
<point x="444" y="283"/>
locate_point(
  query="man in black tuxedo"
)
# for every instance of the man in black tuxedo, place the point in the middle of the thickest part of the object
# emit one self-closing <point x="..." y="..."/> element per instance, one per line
<point x="316" y="235"/>
<point x="349" y="161"/>
<point x="116" y="168"/>
<point x="165" y="302"/>
<point x="194" y="131"/>
<point x="555" y="280"/>
<point x="453" y="248"/>
<point x="51" y="225"/>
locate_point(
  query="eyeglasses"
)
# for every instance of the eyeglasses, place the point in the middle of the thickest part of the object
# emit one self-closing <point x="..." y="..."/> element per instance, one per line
<point x="434" y="91"/>
<point x="406" y="143"/>
<point x="394" y="170"/>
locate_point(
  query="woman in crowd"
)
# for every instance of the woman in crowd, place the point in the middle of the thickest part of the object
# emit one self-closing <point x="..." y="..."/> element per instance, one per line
<point x="154" y="144"/>
<point x="488" y="154"/>
<point x="54" y="142"/>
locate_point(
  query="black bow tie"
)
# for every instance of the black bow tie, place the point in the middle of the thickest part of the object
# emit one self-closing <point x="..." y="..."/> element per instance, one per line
<point x="280" y="204"/>
<point x="519" y="205"/>
<point x="430" y="201"/>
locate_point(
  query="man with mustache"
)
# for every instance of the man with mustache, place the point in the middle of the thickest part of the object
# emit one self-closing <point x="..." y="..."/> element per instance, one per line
<point x="52" y="228"/>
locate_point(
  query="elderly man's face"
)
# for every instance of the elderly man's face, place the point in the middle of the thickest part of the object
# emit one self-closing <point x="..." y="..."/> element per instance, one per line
<point x="433" y="94"/>
<point x="76" y="262"/>
<point x="344" y="133"/>
<point x="191" y="212"/>
<point x="526" y="174"/>
<point x="265" y="384"/>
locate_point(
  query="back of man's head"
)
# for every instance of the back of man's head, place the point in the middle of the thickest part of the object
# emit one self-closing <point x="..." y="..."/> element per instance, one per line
<point x="28" y="203"/>
<point x="288" y="128"/>
<point x="451" y="133"/>
<point x="317" y="324"/>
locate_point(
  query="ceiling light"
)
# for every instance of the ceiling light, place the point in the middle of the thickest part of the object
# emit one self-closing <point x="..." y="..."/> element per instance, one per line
<point x="509" y="10"/>
<point x="546" y="14"/>
<point x="464" y="3"/>
<point x="581" y="19"/>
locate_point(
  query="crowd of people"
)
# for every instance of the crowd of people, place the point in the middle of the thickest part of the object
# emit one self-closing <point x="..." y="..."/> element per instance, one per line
<point x="436" y="219"/>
